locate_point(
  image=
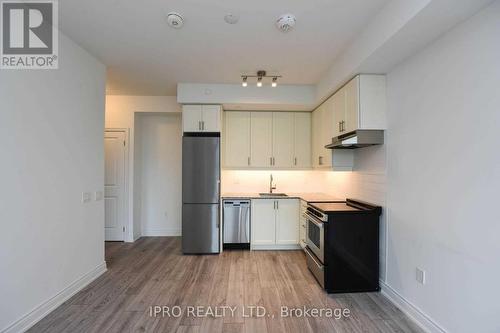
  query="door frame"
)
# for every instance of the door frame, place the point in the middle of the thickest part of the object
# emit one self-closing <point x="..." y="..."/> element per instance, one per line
<point x="125" y="200"/>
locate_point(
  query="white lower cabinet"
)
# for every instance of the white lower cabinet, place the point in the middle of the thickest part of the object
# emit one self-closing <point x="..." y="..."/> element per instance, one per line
<point x="302" y="223"/>
<point x="263" y="222"/>
<point x="275" y="224"/>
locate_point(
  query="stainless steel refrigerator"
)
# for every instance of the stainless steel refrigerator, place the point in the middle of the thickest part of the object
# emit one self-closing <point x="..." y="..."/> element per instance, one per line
<point x="200" y="193"/>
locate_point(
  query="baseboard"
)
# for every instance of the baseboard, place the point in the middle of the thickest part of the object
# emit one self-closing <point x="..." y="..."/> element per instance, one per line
<point x="417" y="315"/>
<point x="276" y="247"/>
<point x="161" y="232"/>
<point x="38" y="313"/>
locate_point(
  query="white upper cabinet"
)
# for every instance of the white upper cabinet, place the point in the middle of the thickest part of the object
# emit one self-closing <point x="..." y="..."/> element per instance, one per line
<point x="261" y="139"/>
<point x="338" y="113"/>
<point x="326" y="133"/>
<point x="351" y="98"/>
<point x="267" y="140"/>
<point x="316" y="136"/>
<point x="322" y="132"/>
<point x="360" y="104"/>
<point x="372" y="102"/>
<point x="237" y="139"/>
<point x="211" y="118"/>
<point x="201" y="118"/>
<point x="191" y="118"/>
<point x="283" y="139"/>
<point x="302" y="140"/>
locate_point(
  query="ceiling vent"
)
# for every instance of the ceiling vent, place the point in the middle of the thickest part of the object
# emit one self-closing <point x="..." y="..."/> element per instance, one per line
<point x="286" y="22"/>
<point x="175" y="20"/>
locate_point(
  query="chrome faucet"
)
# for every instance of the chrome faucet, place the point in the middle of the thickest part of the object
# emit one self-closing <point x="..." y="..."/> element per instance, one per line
<point x="271" y="186"/>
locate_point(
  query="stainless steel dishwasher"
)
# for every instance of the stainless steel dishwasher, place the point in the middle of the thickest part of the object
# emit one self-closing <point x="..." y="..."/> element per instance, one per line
<point x="236" y="224"/>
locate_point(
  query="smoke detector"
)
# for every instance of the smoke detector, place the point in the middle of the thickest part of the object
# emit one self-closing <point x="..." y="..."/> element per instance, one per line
<point x="286" y="22"/>
<point x="175" y="20"/>
<point x="231" y="18"/>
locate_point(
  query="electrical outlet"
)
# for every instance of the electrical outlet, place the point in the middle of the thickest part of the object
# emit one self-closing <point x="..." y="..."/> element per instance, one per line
<point x="98" y="195"/>
<point x="420" y="275"/>
<point x="85" y="197"/>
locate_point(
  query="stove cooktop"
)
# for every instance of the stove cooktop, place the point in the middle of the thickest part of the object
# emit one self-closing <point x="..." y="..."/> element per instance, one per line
<point x="330" y="207"/>
<point x="349" y="205"/>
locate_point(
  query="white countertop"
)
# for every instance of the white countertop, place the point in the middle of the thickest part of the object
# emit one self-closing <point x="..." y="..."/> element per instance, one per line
<point x="308" y="197"/>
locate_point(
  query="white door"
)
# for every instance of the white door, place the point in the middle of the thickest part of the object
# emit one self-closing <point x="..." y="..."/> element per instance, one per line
<point x="351" y="105"/>
<point x="283" y="155"/>
<point x="210" y="117"/>
<point x="237" y="139"/>
<point x="302" y="140"/>
<point x="287" y="221"/>
<point x="261" y="138"/>
<point x="263" y="222"/>
<point x="191" y="118"/>
<point x="114" y="185"/>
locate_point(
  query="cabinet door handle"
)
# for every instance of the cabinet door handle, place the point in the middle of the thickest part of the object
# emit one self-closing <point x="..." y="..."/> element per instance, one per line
<point x="320" y="160"/>
<point x="274" y="161"/>
<point x="248" y="160"/>
<point x="295" y="161"/>
<point x="340" y="126"/>
<point x="277" y="204"/>
<point x="270" y="161"/>
<point x="199" y="125"/>
<point x="202" y="125"/>
<point x="274" y="205"/>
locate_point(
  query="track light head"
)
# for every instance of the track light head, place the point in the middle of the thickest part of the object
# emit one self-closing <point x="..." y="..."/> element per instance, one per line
<point x="244" y="83"/>
<point x="259" y="81"/>
<point x="274" y="84"/>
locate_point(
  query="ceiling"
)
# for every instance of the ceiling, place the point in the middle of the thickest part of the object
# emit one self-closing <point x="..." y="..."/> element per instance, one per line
<point x="144" y="56"/>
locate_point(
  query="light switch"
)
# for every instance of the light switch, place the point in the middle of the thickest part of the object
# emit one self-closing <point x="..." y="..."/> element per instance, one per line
<point x="98" y="195"/>
<point x="85" y="197"/>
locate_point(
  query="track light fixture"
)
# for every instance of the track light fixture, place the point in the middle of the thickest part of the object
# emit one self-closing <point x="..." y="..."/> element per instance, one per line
<point x="260" y="76"/>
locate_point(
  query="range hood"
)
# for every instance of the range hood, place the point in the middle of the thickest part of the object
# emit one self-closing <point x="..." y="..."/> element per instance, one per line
<point x="357" y="139"/>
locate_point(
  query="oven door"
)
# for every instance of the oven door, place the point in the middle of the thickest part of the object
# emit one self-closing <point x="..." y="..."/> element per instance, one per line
<point x="315" y="237"/>
<point x="316" y="268"/>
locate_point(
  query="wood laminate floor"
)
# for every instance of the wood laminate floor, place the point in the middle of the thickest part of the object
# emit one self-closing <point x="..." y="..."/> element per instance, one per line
<point x="153" y="272"/>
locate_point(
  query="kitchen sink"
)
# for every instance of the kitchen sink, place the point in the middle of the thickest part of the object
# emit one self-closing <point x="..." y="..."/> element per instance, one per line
<point x="273" y="195"/>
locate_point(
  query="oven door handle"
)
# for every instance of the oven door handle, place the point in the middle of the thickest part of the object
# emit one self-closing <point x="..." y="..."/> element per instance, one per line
<point x="314" y="220"/>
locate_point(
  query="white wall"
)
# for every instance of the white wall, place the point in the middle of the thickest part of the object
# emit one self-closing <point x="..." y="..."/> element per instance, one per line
<point x="442" y="181"/>
<point x="158" y="142"/>
<point x="51" y="139"/>
<point x="233" y="96"/>
<point x="256" y="181"/>
<point x="444" y="176"/>
<point x="120" y="113"/>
